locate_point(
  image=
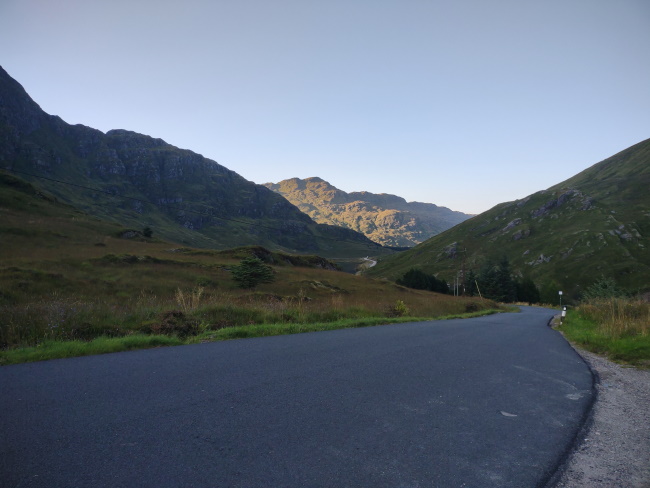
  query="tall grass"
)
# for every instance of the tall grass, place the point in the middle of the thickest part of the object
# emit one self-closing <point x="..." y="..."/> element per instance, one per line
<point x="619" y="317"/>
<point x="189" y="301"/>
<point x="616" y="327"/>
<point x="58" y="317"/>
<point x="125" y="289"/>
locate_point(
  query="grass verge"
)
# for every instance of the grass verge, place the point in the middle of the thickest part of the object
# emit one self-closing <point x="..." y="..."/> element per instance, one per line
<point x="595" y="336"/>
<point x="52" y="349"/>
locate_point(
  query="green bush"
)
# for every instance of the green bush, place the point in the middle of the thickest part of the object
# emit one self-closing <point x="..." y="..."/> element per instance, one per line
<point x="251" y="272"/>
<point x="603" y="289"/>
<point x="399" y="309"/>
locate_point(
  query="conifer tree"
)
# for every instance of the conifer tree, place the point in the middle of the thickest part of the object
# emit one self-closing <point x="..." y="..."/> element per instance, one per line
<point x="470" y="283"/>
<point x="527" y="291"/>
<point x="251" y="272"/>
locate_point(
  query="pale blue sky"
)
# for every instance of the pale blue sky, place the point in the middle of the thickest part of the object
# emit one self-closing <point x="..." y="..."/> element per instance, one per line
<point x="464" y="103"/>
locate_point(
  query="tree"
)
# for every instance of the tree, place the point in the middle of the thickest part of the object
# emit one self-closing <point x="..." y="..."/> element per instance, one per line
<point x="496" y="283"/>
<point x="440" y="286"/>
<point x="506" y="285"/>
<point x="251" y="272"/>
<point x="416" y="279"/>
<point x="549" y="293"/>
<point x="470" y="284"/>
<point x="603" y="288"/>
<point x="487" y="281"/>
<point x="419" y="280"/>
<point x="527" y="291"/>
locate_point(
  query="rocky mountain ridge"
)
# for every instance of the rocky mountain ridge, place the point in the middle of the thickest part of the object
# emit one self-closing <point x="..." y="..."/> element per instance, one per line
<point x="386" y="219"/>
<point x="138" y="180"/>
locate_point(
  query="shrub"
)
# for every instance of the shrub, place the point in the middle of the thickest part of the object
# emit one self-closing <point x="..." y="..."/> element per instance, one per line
<point x="251" y="272"/>
<point x="175" y="322"/>
<point x="602" y="289"/>
<point x="399" y="309"/>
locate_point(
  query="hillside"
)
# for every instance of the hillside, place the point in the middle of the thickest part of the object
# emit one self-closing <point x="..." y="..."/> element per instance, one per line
<point x="594" y="224"/>
<point x="386" y="219"/>
<point x="67" y="275"/>
<point x="139" y="181"/>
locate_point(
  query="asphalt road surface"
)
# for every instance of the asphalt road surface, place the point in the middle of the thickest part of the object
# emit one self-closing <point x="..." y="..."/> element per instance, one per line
<point x="487" y="402"/>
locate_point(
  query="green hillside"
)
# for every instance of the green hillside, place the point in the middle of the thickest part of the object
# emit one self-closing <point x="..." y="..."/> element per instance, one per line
<point x="564" y="238"/>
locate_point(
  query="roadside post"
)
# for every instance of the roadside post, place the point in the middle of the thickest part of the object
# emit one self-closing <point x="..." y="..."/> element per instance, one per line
<point x="560" y="293"/>
<point x="563" y="314"/>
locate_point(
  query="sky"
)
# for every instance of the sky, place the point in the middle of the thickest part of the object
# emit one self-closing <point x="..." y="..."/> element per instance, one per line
<point x="461" y="103"/>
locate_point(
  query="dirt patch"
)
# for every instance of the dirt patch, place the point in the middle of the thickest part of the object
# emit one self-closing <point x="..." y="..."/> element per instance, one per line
<point x="614" y="450"/>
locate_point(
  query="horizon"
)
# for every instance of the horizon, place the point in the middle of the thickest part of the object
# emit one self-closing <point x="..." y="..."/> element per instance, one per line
<point x="464" y="106"/>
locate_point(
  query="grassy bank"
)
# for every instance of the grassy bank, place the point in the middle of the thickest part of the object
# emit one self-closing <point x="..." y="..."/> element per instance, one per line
<point x="58" y="349"/>
<point x="616" y="328"/>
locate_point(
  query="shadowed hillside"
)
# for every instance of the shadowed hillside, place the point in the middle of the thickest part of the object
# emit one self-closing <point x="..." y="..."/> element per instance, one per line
<point x="137" y="181"/>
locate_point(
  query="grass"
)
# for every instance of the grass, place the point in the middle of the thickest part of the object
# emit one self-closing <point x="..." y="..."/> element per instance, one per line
<point x="50" y="349"/>
<point x="616" y="328"/>
<point x="602" y="231"/>
<point x="59" y="349"/>
<point x="70" y="285"/>
<point x="62" y="303"/>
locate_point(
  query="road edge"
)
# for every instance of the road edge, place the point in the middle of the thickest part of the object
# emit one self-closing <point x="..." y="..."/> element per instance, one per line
<point x="586" y="421"/>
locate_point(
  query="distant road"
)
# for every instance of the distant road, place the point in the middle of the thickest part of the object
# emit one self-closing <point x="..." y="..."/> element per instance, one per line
<point x="487" y="402"/>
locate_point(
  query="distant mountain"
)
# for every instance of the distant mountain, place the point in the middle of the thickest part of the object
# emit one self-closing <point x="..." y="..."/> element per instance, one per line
<point x="386" y="219"/>
<point x="564" y="238"/>
<point x="138" y="181"/>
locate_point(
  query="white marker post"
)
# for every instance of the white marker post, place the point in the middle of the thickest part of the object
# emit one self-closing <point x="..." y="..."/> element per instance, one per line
<point x="560" y="293"/>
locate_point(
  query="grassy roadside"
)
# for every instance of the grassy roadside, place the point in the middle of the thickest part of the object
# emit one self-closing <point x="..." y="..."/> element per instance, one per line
<point x="57" y="349"/>
<point x="613" y="330"/>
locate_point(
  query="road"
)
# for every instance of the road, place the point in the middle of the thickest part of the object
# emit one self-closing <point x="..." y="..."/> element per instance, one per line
<point x="487" y="402"/>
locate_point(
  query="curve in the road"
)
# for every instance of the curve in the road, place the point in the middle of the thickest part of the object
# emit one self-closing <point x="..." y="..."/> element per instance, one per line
<point x="488" y="402"/>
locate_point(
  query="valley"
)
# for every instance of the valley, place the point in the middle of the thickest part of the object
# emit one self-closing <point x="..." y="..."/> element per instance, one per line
<point x="120" y="234"/>
<point x="386" y="219"/>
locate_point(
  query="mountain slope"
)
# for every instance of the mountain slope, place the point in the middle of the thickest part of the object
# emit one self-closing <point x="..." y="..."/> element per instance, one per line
<point x="386" y="219"/>
<point x="566" y="237"/>
<point x="138" y="181"/>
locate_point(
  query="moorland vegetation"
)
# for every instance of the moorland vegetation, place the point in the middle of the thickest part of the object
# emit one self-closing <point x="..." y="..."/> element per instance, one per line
<point x="74" y="284"/>
<point x="611" y="322"/>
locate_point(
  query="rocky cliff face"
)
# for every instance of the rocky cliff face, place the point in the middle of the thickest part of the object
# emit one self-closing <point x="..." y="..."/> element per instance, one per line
<point x="139" y="180"/>
<point x="386" y="219"/>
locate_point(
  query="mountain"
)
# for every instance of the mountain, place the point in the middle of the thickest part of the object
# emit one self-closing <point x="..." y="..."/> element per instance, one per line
<point x="594" y="224"/>
<point x="139" y="181"/>
<point x="386" y="219"/>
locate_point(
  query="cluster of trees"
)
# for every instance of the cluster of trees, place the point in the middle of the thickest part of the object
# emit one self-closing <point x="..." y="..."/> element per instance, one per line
<point x="494" y="281"/>
<point x="419" y="280"/>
